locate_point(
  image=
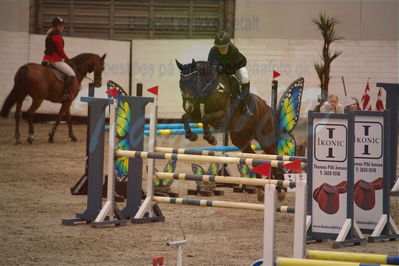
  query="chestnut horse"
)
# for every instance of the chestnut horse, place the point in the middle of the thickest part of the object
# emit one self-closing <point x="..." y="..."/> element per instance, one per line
<point x="40" y="83"/>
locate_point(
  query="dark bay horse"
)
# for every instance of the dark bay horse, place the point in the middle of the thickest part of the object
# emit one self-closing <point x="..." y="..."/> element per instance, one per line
<point x="200" y="84"/>
<point x="208" y="98"/>
<point x="40" y="83"/>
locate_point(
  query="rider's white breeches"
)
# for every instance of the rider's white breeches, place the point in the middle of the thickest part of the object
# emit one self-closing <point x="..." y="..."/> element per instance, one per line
<point x="64" y="68"/>
<point x="242" y="75"/>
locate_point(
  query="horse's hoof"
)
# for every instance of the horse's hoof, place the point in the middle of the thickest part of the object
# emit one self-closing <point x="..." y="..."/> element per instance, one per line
<point x="192" y="137"/>
<point x="74" y="139"/>
<point x="260" y="195"/>
<point x="50" y="140"/>
<point x="211" y="140"/>
<point x="17" y="142"/>
<point x="30" y="140"/>
<point x="281" y="195"/>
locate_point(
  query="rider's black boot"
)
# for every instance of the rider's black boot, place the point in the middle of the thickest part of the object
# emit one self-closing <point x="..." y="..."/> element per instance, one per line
<point x="245" y="101"/>
<point x="67" y="88"/>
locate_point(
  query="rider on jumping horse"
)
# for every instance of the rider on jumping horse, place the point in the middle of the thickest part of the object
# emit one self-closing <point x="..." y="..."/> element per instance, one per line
<point x="54" y="55"/>
<point x="228" y="60"/>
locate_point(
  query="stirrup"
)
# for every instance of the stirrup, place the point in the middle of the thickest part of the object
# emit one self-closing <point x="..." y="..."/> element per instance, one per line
<point x="65" y="97"/>
<point x="248" y="112"/>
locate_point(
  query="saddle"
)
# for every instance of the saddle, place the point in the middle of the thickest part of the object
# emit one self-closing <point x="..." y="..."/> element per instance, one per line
<point x="58" y="74"/>
<point x="327" y="196"/>
<point x="235" y="86"/>
<point x="365" y="193"/>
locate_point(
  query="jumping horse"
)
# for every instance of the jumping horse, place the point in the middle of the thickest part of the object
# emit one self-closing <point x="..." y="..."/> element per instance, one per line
<point x="209" y="98"/>
<point x="41" y="83"/>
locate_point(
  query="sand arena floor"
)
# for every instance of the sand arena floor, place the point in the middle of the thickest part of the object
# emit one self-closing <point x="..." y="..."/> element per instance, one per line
<point x="35" y="183"/>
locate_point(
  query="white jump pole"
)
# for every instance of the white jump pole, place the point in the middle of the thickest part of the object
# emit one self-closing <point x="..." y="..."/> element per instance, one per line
<point x="300" y="217"/>
<point x="146" y="206"/>
<point x="269" y="220"/>
<point x="108" y="208"/>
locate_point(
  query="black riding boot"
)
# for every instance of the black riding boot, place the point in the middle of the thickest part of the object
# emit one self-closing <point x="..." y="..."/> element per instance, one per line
<point x="67" y="88"/>
<point x="245" y="100"/>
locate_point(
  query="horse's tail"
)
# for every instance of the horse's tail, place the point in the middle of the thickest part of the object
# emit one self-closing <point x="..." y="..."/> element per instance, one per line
<point x="20" y="84"/>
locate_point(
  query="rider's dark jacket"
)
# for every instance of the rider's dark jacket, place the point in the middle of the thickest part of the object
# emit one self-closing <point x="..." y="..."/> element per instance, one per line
<point x="230" y="62"/>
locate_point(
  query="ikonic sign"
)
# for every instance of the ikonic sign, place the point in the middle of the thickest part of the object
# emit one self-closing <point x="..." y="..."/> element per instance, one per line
<point x="329" y="174"/>
<point x="368" y="174"/>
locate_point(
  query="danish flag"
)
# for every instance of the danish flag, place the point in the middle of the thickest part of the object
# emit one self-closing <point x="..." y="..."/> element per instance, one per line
<point x="365" y="102"/>
<point x="380" y="103"/>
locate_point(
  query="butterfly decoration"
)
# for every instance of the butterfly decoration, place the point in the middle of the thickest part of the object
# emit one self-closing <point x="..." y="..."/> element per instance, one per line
<point x="169" y="168"/>
<point x="122" y="131"/>
<point x="213" y="169"/>
<point x="245" y="171"/>
<point x="287" y="115"/>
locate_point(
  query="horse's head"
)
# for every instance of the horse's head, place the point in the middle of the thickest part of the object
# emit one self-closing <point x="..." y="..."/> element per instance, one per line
<point x="88" y="63"/>
<point x="197" y="80"/>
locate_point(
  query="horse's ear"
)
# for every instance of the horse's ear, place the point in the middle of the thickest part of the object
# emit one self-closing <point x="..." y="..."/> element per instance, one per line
<point x="179" y="65"/>
<point x="193" y="62"/>
<point x="103" y="57"/>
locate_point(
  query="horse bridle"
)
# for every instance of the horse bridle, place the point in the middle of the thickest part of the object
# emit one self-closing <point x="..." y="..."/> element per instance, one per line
<point x="186" y="77"/>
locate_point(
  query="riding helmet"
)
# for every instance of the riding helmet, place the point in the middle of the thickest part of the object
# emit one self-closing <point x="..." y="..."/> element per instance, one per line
<point x="58" y="21"/>
<point x="222" y="39"/>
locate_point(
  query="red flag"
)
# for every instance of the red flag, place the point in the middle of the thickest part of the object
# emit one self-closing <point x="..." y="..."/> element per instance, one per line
<point x="294" y="166"/>
<point x="365" y="102"/>
<point x="264" y="169"/>
<point x="380" y="102"/>
<point x="113" y="92"/>
<point x="158" y="261"/>
<point x="153" y="90"/>
<point x="275" y="74"/>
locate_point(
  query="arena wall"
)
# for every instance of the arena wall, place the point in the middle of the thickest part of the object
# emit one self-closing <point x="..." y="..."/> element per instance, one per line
<point x="292" y="20"/>
<point x="376" y="61"/>
<point x="274" y="35"/>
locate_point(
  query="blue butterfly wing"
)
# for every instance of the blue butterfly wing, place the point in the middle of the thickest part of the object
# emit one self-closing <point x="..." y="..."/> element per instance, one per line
<point x="122" y="163"/>
<point x="286" y="145"/>
<point x="288" y="115"/>
<point x="169" y="168"/>
<point x="245" y="171"/>
<point x="213" y="169"/>
<point x="157" y="182"/>
<point x="122" y="119"/>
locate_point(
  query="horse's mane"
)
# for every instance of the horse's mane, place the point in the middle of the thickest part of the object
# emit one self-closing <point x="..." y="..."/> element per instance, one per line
<point x="79" y="59"/>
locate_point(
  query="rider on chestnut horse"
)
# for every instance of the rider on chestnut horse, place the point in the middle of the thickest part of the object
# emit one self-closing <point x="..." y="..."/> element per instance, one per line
<point x="228" y="60"/>
<point x="54" y="55"/>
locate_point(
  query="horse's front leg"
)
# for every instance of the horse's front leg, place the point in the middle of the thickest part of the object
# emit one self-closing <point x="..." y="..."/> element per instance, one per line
<point x="63" y="108"/>
<point x="215" y="116"/>
<point x="188" y="133"/>
<point x="69" y="120"/>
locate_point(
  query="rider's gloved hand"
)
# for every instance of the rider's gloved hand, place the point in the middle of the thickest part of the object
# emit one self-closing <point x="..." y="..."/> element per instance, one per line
<point x="219" y="69"/>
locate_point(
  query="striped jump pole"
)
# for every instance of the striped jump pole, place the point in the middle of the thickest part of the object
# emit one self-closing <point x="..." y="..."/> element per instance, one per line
<point x="169" y="126"/>
<point x="175" y="126"/>
<point x="305" y="262"/>
<point x="177" y="131"/>
<point x="201" y="158"/>
<point x="353" y="257"/>
<point x="235" y="154"/>
<point x="220" y="204"/>
<point x="226" y="179"/>
<point x="224" y="148"/>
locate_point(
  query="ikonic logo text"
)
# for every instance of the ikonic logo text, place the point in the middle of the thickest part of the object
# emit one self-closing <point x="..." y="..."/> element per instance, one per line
<point x="330" y="142"/>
